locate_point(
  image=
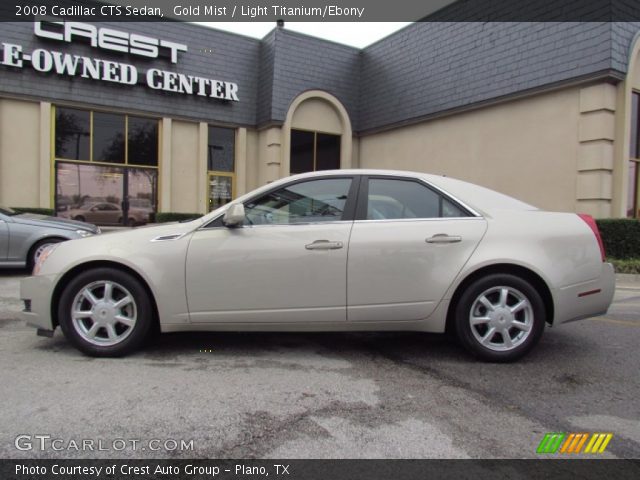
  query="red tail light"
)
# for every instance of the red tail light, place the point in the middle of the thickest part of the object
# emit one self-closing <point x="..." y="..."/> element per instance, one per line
<point x="594" y="228"/>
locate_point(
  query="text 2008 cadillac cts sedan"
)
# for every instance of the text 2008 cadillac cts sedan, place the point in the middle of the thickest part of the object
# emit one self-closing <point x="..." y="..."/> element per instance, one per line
<point x="337" y="250"/>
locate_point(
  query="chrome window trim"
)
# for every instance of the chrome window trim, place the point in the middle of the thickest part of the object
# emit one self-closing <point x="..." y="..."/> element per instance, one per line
<point x="249" y="227"/>
<point x="409" y="220"/>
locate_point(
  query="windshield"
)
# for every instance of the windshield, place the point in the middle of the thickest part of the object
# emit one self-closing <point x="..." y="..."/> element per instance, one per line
<point x="7" y="211"/>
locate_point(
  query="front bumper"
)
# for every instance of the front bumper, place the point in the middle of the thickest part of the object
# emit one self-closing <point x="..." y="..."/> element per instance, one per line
<point x="36" y="293"/>
<point x="586" y="299"/>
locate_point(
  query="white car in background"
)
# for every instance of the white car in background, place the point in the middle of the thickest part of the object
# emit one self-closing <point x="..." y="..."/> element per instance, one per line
<point x="339" y="250"/>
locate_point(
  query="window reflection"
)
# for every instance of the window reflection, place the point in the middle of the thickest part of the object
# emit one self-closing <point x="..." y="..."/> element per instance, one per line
<point x="99" y="193"/>
<point x="72" y="134"/>
<point x="221" y="153"/>
<point x="96" y="194"/>
<point x="142" y="148"/>
<point x="108" y="137"/>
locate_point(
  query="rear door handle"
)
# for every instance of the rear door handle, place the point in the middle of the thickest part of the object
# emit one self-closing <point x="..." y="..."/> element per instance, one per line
<point x="444" y="238"/>
<point x="324" y="245"/>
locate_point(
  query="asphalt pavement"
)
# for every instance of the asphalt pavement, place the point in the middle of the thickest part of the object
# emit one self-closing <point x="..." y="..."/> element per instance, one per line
<point x="334" y="395"/>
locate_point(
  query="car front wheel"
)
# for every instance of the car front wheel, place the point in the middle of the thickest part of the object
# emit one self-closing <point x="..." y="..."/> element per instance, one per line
<point x="105" y="312"/>
<point x="500" y="317"/>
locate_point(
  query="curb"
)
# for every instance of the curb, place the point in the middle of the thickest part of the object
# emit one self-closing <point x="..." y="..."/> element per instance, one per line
<point x="628" y="278"/>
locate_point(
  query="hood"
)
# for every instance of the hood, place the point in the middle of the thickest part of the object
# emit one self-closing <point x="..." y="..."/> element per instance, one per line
<point x="56" y="222"/>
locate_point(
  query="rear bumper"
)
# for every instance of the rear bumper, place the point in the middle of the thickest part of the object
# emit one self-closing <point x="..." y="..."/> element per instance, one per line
<point x="587" y="299"/>
<point x="36" y="293"/>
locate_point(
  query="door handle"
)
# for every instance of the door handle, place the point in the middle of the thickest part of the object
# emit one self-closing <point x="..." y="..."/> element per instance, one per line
<point x="323" y="245"/>
<point x="444" y="238"/>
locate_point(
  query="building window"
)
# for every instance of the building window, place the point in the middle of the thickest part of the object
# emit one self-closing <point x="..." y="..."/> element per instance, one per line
<point x="633" y="209"/>
<point x="106" y="167"/>
<point x="220" y="166"/>
<point x="73" y="129"/>
<point x="313" y="151"/>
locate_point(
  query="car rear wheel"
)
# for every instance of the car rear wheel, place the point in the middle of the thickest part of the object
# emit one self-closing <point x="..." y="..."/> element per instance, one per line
<point x="39" y="248"/>
<point x="500" y="317"/>
<point x="105" y="312"/>
<point x="79" y="218"/>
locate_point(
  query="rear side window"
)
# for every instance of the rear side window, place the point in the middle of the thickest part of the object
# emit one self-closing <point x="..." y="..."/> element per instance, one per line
<point x="390" y="199"/>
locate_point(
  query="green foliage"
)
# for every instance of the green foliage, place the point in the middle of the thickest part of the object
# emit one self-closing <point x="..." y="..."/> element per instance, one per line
<point x="40" y="211"/>
<point x="628" y="265"/>
<point x="621" y="237"/>
<point x="162" y="217"/>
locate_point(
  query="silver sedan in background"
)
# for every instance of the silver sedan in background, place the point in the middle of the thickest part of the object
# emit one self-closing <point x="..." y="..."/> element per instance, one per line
<point x="333" y="251"/>
<point x="23" y="237"/>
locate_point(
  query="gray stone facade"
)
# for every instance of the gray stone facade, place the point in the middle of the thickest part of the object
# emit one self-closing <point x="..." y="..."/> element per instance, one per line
<point x="423" y="70"/>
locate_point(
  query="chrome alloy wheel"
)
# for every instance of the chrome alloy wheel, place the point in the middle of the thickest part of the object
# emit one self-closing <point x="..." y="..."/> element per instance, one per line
<point x="40" y="250"/>
<point x="501" y="318"/>
<point x="104" y="313"/>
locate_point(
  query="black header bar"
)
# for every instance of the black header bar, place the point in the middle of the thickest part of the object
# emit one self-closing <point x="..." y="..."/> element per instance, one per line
<point x="324" y="10"/>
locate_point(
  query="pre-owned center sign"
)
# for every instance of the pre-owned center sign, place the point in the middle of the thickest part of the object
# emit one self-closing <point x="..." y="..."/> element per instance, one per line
<point x="52" y="61"/>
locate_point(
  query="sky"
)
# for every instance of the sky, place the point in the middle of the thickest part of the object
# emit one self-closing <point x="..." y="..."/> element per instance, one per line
<point x="356" y="34"/>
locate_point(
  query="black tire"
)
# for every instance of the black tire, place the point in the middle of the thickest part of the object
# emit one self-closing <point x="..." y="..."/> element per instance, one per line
<point x="524" y="327"/>
<point x="79" y="218"/>
<point x="123" y="285"/>
<point x="35" y="252"/>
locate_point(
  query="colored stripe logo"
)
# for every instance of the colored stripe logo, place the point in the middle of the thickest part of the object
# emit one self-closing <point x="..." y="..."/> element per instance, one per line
<point x="559" y="442"/>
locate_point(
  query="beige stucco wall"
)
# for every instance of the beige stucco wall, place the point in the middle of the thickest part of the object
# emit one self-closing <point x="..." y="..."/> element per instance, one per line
<point x="185" y="167"/>
<point x="20" y="148"/>
<point x="562" y="150"/>
<point x="624" y="91"/>
<point x="317" y="114"/>
<point x="527" y="148"/>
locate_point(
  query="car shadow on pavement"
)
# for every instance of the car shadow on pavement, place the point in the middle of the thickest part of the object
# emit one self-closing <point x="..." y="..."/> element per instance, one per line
<point x="14" y="272"/>
<point x="334" y="344"/>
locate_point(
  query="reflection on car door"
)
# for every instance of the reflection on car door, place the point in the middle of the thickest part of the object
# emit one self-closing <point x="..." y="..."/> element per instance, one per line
<point x="286" y="264"/>
<point x="407" y="245"/>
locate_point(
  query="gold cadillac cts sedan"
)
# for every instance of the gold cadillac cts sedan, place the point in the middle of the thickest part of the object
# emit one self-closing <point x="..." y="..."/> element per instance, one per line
<point x="338" y="250"/>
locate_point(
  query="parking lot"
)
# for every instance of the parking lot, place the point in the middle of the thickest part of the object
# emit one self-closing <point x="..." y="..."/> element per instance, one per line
<point x="351" y="395"/>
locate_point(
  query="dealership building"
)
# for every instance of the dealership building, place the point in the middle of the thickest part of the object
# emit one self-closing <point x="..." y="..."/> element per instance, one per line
<point x="130" y="118"/>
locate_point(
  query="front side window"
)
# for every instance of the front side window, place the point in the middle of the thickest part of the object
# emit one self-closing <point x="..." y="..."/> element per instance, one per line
<point x="391" y="199"/>
<point x="313" y="201"/>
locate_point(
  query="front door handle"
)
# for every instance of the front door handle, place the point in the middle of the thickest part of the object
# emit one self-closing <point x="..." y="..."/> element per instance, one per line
<point x="444" y="238"/>
<point x="324" y="245"/>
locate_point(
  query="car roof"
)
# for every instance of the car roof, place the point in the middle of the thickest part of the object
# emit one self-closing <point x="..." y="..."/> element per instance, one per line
<point x="481" y="199"/>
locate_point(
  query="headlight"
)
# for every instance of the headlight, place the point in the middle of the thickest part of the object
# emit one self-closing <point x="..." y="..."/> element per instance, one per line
<point x="43" y="257"/>
<point x="84" y="233"/>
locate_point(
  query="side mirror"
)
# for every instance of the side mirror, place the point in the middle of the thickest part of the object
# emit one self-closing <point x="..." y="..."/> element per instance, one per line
<point x="234" y="216"/>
